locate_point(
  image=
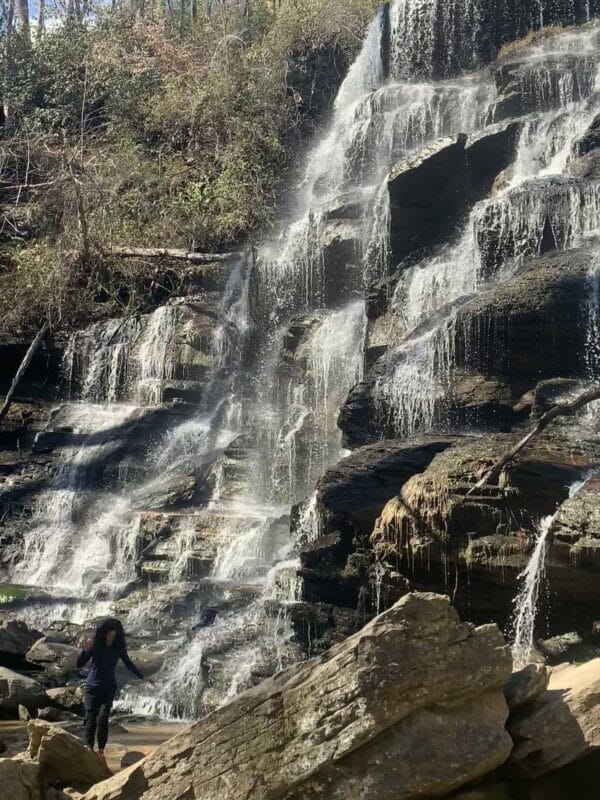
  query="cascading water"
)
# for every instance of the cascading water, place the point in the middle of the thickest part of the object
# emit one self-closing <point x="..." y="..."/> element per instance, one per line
<point x="287" y="346"/>
<point x="540" y="206"/>
<point x="526" y="602"/>
<point x="592" y="323"/>
<point x="523" y="625"/>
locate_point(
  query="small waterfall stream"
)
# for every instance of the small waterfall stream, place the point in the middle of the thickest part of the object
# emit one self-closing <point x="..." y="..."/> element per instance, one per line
<point x="243" y="408"/>
<point x="526" y="604"/>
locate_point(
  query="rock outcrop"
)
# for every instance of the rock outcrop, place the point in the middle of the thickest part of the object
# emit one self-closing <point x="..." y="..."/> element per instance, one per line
<point x="63" y="759"/>
<point x="349" y="499"/>
<point x="16" y="690"/>
<point x="562" y="726"/>
<point x="430" y="193"/>
<point x="414" y="681"/>
<point x="432" y="529"/>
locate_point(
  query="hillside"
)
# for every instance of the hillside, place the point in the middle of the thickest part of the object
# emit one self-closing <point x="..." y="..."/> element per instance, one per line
<point x="147" y="127"/>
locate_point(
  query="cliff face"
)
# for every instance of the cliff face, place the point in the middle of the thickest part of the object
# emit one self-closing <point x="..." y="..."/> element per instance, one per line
<point x="462" y="35"/>
<point x="486" y="319"/>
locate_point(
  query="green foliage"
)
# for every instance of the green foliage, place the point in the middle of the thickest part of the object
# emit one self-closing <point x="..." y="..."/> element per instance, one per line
<point x="146" y="131"/>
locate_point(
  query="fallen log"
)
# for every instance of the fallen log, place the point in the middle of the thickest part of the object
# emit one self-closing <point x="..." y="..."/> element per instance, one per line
<point x="560" y="410"/>
<point x="168" y="252"/>
<point x="22" y="370"/>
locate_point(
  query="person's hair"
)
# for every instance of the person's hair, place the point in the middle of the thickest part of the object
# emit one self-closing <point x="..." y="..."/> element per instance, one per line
<point x="99" y="643"/>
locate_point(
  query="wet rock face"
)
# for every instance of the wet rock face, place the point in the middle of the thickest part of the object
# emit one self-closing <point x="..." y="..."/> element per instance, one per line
<point x="431" y="193"/>
<point x="415" y="679"/>
<point x="589" y="142"/>
<point x="336" y="564"/>
<point x="504" y="341"/>
<point x="464" y="35"/>
<point x="436" y="536"/>
<point x="532" y="85"/>
<point x="576" y="530"/>
<point x="529" y="327"/>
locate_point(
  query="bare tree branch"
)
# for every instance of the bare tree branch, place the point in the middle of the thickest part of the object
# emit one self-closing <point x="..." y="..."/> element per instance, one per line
<point x="560" y="410"/>
<point x="22" y="370"/>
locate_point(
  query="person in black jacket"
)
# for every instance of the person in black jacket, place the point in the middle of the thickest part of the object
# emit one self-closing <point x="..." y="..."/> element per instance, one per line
<point x="105" y="651"/>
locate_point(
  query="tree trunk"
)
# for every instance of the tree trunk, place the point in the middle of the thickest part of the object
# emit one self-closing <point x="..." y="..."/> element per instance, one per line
<point x="41" y="24"/>
<point x="561" y="410"/>
<point x="24" y="19"/>
<point x="165" y="252"/>
<point x="22" y="370"/>
<point x="8" y="61"/>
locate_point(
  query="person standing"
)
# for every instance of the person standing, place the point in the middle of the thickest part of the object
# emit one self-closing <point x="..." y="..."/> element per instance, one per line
<point x="104" y="651"/>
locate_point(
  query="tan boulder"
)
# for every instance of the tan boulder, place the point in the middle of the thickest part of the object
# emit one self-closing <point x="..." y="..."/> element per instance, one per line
<point x="410" y="706"/>
<point x="67" y="698"/>
<point x="526" y="686"/>
<point x="562" y="726"/>
<point x="18" y="780"/>
<point x="16" y="690"/>
<point x="63" y="758"/>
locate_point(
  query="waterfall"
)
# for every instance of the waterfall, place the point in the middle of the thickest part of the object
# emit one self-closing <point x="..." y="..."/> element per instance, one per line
<point x="539" y="201"/>
<point x="241" y="400"/>
<point x="523" y="624"/>
<point x="526" y="602"/>
<point x="52" y="548"/>
<point x="592" y="323"/>
<point x="417" y="26"/>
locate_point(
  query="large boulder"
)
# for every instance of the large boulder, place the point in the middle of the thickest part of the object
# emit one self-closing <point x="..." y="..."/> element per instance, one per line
<point x="562" y="726"/>
<point x="63" y="759"/>
<point x="410" y="706"/>
<point x="56" y="659"/>
<point x="66" y="698"/>
<point x="16" y="690"/>
<point x="19" y="780"/>
<point x="16" y="638"/>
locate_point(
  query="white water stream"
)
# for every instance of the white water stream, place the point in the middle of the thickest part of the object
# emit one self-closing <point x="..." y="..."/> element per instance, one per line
<point x="526" y="604"/>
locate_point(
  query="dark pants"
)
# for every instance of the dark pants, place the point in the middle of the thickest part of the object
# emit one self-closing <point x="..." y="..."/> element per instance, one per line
<point x="98" y="703"/>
